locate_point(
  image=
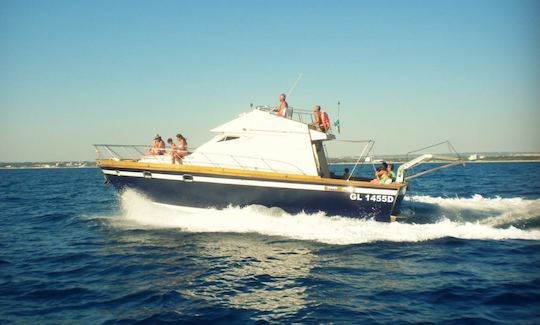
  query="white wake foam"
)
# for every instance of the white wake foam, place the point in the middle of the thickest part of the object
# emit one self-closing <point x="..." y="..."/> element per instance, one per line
<point x="502" y="210"/>
<point x="139" y="212"/>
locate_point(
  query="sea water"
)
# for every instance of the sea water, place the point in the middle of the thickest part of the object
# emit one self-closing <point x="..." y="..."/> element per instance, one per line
<point x="74" y="251"/>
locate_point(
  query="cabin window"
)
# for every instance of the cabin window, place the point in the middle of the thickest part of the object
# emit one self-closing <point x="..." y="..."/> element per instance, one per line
<point x="228" y="138"/>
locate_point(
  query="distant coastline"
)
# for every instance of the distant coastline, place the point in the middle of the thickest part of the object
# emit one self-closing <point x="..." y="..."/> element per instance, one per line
<point x="48" y="165"/>
<point x="444" y="162"/>
<point x="31" y="167"/>
<point x="466" y="157"/>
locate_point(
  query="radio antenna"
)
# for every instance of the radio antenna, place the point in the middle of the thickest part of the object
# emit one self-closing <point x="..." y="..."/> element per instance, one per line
<point x="294" y="84"/>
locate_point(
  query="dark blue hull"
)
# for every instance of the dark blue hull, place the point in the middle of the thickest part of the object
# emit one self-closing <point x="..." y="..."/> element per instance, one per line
<point x="211" y="191"/>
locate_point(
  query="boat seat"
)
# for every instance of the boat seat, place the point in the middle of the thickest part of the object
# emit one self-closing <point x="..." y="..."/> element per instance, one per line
<point x="289" y="113"/>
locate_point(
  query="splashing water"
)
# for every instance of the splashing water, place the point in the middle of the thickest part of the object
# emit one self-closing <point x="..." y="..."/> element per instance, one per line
<point x="502" y="211"/>
<point x="137" y="211"/>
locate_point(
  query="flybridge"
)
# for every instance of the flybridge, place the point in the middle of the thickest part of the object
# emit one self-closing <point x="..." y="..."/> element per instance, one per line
<point x="264" y="119"/>
<point x="284" y="144"/>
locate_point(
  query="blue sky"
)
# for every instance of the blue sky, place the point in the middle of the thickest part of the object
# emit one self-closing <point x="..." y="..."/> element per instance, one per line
<point x="408" y="73"/>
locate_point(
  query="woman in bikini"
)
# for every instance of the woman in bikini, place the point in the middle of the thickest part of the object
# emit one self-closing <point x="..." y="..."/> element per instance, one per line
<point x="182" y="148"/>
<point x="174" y="152"/>
<point x="158" y="146"/>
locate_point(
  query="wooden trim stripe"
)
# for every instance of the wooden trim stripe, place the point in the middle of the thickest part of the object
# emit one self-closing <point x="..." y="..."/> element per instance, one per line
<point x="220" y="171"/>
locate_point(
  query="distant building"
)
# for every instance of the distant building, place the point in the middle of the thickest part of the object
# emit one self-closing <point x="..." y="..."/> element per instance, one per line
<point x="473" y="157"/>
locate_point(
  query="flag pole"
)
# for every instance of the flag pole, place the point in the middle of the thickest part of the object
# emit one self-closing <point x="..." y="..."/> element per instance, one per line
<point x="338" y="122"/>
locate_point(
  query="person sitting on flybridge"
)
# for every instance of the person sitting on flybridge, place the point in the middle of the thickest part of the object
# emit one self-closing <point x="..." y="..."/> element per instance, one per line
<point x="158" y="147"/>
<point x="321" y="120"/>
<point x="283" y="106"/>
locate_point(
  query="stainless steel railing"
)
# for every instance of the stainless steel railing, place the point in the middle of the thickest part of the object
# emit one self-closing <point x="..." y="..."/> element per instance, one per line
<point x="119" y="152"/>
<point x="299" y="115"/>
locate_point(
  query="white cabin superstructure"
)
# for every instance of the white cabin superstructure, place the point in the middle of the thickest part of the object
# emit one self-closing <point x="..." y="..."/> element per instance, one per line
<point x="261" y="141"/>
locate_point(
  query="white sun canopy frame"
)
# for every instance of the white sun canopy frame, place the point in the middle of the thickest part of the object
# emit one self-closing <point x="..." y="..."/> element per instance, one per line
<point x="261" y="141"/>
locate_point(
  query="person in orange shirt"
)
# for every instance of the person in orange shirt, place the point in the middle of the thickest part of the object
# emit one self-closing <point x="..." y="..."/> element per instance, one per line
<point x="318" y="118"/>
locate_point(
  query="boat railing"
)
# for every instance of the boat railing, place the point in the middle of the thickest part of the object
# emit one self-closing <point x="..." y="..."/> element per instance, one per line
<point x="119" y="152"/>
<point x="300" y="115"/>
<point x="450" y="159"/>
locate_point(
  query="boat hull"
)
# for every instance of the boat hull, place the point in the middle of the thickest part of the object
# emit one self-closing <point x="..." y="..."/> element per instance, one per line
<point x="200" y="190"/>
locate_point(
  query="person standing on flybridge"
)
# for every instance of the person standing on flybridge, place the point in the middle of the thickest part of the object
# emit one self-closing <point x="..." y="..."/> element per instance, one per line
<point x="283" y="106"/>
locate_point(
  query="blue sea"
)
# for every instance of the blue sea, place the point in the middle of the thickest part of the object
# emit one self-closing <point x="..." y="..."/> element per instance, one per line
<point x="73" y="251"/>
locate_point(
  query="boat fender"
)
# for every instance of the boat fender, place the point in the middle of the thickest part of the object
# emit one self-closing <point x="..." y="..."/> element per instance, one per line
<point x="187" y="178"/>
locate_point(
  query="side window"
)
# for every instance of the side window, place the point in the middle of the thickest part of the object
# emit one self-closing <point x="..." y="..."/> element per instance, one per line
<point x="228" y="138"/>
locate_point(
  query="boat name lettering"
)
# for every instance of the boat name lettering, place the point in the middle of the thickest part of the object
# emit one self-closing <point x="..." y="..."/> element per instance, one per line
<point x="371" y="197"/>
